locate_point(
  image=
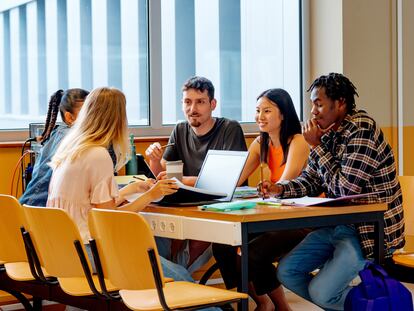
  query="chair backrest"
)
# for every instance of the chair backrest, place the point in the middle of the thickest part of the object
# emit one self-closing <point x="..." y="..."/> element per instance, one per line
<point x="123" y="240"/>
<point x="11" y="219"/>
<point x="407" y="187"/>
<point x="53" y="233"/>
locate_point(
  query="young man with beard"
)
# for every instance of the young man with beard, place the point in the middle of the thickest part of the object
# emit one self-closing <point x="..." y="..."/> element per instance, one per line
<point x="201" y="132"/>
<point x="191" y="141"/>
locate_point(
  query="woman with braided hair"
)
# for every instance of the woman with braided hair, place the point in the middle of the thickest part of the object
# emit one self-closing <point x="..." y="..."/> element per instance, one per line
<point x="68" y="103"/>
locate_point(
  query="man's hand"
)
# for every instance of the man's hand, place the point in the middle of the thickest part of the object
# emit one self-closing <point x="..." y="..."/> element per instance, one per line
<point x="154" y="152"/>
<point x="313" y="133"/>
<point x="267" y="189"/>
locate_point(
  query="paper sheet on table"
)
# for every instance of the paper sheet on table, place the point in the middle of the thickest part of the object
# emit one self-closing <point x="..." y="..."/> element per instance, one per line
<point x="309" y="201"/>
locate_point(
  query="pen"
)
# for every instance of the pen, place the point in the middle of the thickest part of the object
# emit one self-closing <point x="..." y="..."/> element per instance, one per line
<point x="167" y="145"/>
<point x="140" y="178"/>
<point x="269" y="203"/>
<point x="261" y="176"/>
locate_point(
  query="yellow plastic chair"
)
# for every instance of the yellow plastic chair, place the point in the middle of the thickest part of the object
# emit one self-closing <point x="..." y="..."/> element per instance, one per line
<point x="12" y="249"/>
<point x="406" y="256"/>
<point x="130" y="260"/>
<point x="57" y="240"/>
<point x="13" y="256"/>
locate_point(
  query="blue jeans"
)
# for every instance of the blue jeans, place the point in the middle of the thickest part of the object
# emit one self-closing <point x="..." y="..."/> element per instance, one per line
<point x="175" y="271"/>
<point x="164" y="249"/>
<point x="337" y="253"/>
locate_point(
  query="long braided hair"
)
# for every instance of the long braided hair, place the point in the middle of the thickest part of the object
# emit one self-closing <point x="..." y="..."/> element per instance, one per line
<point x="61" y="101"/>
<point x="337" y="86"/>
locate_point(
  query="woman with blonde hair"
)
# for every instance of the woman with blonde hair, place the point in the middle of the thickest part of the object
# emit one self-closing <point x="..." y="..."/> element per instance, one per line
<point x="83" y="176"/>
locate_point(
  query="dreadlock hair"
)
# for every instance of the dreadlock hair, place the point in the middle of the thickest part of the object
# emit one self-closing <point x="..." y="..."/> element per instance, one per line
<point x="337" y="86"/>
<point x="63" y="101"/>
<point x="289" y="126"/>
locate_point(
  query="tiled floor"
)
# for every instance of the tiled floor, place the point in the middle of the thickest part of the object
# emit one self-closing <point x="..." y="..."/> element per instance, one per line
<point x="296" y="303"/>
<point x="299" y="304"/>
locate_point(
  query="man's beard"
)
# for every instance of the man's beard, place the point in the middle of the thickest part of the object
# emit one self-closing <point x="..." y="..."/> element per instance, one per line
<point x="195" y="123"/>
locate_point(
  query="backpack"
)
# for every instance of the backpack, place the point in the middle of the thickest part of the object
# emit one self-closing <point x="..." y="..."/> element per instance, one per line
<point x="378" y="292"/>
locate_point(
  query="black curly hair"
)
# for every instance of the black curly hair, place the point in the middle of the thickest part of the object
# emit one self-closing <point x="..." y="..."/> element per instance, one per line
<point x="337" y="86"/>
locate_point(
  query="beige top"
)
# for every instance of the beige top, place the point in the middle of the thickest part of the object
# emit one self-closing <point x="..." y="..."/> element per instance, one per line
<point x="78" y="185"/>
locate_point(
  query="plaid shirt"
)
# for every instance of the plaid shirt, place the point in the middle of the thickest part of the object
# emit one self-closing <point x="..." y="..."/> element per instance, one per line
<point x="356" y="159"/>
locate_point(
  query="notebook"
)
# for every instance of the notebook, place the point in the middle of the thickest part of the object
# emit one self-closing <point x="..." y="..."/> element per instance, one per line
<point x="143" y="167"/>
<point x="216" y="181"/>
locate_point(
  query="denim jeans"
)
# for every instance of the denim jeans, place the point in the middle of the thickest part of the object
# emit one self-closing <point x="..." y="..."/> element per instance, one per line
<point x="175" y="271"/>
<point x="337" y="253"/>
<point x="164" y="249"/>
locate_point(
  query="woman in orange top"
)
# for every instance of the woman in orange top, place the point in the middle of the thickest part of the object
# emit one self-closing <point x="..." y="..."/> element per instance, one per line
<point x="282" y="147"/>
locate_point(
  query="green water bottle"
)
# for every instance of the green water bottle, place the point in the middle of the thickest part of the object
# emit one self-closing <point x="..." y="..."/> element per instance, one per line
<point x="131" y="167"/>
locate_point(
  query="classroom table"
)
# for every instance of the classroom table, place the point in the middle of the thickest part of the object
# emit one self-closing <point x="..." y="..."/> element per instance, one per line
<point x="234" y="227"/>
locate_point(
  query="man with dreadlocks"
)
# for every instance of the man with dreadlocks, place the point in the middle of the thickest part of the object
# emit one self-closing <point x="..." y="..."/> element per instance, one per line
<point x="68" y="103"/>
<point x="349" y="156"/>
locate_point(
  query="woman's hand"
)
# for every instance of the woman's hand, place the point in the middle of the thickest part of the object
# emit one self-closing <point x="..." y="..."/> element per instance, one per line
<point x="187" y="180"/>
<point x="163" y="187"/>
<point x="162" y="175"/>
<point x="137" y="187"/>
<point x="143" y="186"/>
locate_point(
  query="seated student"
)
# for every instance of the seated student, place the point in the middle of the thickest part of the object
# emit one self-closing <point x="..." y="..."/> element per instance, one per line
<point x="282" y="146"/>
<point x="68" y="103"/>
<point x="192" y="139"/>
<point x="83" y="176"/>
<point x="349" y="156"/>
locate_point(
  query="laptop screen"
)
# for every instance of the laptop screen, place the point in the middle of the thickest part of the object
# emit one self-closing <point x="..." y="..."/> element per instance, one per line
<point x="221" y="171"/>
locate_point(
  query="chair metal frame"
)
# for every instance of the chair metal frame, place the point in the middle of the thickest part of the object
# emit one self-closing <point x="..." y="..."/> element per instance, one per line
<point x="152" y="257"/>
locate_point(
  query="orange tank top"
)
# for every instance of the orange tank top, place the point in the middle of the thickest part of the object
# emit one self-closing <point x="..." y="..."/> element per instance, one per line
<point x="275" y="158"/>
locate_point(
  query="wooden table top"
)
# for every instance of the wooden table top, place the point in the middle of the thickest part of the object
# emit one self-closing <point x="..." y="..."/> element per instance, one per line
<point x="263" y="213"/>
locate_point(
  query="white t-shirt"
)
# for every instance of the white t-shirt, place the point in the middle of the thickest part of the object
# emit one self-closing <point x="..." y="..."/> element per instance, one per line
<point x="78" y="185"/>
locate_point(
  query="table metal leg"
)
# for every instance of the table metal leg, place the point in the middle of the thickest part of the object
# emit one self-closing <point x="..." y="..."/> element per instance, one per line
<point x="244" y="305"/>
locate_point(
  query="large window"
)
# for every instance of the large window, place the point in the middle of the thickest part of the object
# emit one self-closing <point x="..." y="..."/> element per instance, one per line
<point x="243" y="46"/>
<point x="147" y="48"/>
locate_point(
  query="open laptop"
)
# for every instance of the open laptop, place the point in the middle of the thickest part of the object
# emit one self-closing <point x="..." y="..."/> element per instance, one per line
<point x="216" y="181"/>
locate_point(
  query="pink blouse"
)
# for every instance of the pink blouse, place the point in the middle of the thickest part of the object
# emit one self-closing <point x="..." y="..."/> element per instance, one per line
<point x="78" y="185"/>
